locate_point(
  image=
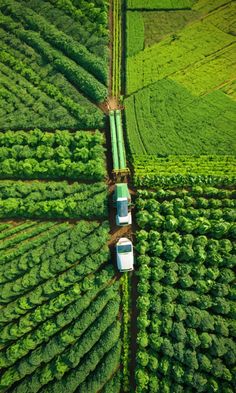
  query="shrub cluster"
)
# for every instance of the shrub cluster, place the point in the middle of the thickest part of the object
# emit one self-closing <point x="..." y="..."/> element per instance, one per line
<point x="52" y="200"/>
<point x="37" y="154"/>
<point x="186" y="308"/>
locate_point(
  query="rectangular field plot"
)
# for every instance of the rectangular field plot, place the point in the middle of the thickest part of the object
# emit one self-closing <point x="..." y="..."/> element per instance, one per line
<point x="54" y="64"/>
<point x="165" y="118"/>
<point x="159" y="4"/>
<point x="53" y="200"/>
<point x="172" y="171"/>
<point x="59" y="308"/>
<point x="186" y="301"/>
<point x="36" y="154"/>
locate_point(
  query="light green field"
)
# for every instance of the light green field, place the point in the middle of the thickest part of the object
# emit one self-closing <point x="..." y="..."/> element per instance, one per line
<point x="159" y="4"/>
<point x="201" y="56"/>
<point x="165" y="118"/>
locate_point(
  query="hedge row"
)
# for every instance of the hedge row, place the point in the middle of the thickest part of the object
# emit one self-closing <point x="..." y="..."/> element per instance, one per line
<point x="53" y="200"/>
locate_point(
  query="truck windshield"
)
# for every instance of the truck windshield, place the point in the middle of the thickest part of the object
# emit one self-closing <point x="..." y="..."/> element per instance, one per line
<point x="122" y="208"/>
<point x="124" y="249"/>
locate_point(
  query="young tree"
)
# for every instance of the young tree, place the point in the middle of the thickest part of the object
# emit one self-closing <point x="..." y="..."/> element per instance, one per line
<point x="142" y="378"/>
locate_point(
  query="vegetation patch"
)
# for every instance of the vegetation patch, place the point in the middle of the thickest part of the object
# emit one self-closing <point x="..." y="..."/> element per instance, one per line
<point x="35" y="154"/>
<point x="59" y="308"/>
<point x="159" y="4"/>
<point x="200" y="56"/>
<point x="158" y="24"/>
<point x="134" y="33"/>
<point x="186" y="307"/>
<point x="52" y="200"/>
<point x="165" y="118"/>
<point x="182" y="170"/>
<point x="60" y="77"/>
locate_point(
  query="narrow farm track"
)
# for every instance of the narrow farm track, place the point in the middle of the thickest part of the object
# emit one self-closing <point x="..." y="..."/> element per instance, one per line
<point x="59" y="271"/>
<point x="129" y="283"/>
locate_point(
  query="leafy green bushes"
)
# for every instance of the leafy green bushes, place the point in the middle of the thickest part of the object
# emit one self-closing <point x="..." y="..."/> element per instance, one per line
<point x="86" y="117"/>
<point x="98" y="313"/>
<point x="183" y="170"/>
<point x="53" y="200"/>
<point x="59" y="304"/>
<point x="186" y="302"/>
<point x="37" y="154"/>
<point x="79" y="21"/>
<point x="113" y="385"/>
<point x="59" y="261"/>
<point x="50" y="51"/>
<point x="109" y="342"/>
<point x="104" y="370"/>
<point x="69" y="298"/>
<point x="77" y="75"/>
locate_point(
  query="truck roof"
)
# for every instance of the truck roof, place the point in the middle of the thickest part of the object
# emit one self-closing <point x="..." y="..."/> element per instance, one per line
<point x="121" y="191"/>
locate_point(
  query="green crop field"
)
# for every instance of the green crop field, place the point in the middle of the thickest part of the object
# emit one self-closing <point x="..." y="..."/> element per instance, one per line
<point x="53" y="71"/>
<point x="35" y="154"/>
<point x="60" y="300"/>
<point x="75" y="74"/>
<point x="180" y="130"/>
<point x="200" y="56"/>
<point x="159" y="4"/>
<point x="180" y="87"/>
<point x="186" y="308"/>
<point x="59" y="307"/>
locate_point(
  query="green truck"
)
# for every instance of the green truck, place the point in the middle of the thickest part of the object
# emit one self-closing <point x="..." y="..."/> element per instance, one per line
<point x="122" y="202"/>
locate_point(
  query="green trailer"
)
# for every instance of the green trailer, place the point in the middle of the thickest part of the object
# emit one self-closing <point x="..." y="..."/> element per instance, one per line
<point x="120" y="140"/>
<point x="114" y="145"/>
<point x="121" y="191"/>
<point x="120" y="169"/>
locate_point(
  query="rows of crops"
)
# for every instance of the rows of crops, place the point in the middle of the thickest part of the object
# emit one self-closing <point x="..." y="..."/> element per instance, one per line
<point x="59" y="308"/>
<point x="200" y="56"/>
<point x="37" y="154"/>
<point x="116" y="48"/>
<point x="184" y="170"/>
<point x="166" y="119"/>
<point x="159" y="4"/>
<point x="53" y="200"/>
<point x="186" y="303"/>
<point x="53" y="64"/>
<point x="180" y="108"/>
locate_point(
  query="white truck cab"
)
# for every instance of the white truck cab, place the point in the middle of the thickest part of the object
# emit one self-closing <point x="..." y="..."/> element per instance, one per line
<point x="123" y="216"/>
<point x="124" y="255"/>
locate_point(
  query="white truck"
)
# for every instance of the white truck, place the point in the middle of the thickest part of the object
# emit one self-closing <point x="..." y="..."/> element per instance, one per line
<point x="124" y="255"/>
<point x="122" y="201"/>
